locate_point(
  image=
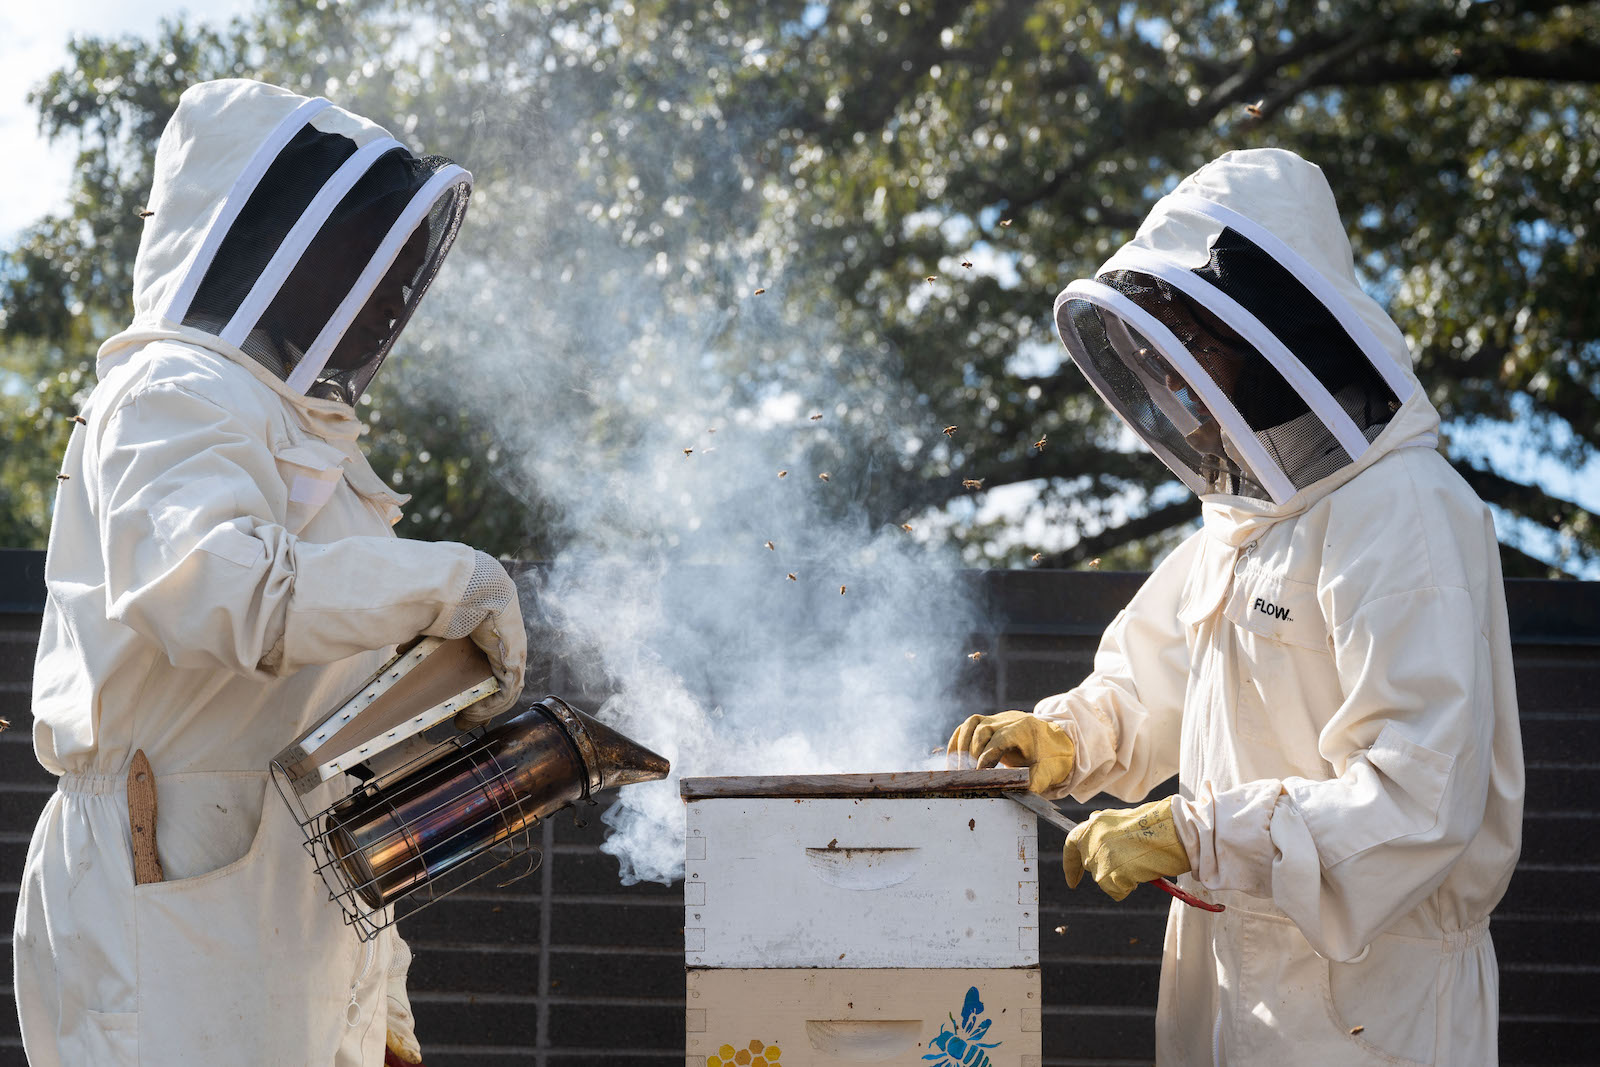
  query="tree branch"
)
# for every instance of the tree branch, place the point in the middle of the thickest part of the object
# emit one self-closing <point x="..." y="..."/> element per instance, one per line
<point x="1528" y="501"/>
<point x="1147" y="525"/>
<point x="1515" y="563"/>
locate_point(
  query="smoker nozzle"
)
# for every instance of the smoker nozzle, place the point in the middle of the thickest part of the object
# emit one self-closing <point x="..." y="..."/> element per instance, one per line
<point x="618" y="760"/>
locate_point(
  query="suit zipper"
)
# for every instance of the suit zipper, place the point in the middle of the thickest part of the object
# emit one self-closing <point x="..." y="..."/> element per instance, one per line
<point x="352" y="1010"/>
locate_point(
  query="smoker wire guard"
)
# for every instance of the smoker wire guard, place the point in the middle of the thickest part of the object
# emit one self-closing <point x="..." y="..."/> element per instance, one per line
<point x="345" y="891"/>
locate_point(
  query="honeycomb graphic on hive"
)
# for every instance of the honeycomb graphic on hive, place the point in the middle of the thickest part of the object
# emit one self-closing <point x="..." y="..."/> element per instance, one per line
<point x="754" y="1054"/>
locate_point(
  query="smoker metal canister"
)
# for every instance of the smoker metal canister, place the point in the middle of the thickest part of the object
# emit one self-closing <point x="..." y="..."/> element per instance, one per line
<point x="391" y="839"/>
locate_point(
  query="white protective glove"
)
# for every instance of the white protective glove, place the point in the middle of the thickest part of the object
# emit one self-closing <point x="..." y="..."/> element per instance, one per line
<point x="401" y="1039"/>
<point x="489" y="614"/>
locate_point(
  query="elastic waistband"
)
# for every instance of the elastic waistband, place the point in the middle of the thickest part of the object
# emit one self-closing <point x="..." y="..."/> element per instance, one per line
<point x="1457" y="940"/>
<point x="1448" y="940"/>
<point x="106" y="784"/>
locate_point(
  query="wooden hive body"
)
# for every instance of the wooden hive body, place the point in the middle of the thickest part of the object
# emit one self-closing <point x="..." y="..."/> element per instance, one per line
<point x="888" y="918"/>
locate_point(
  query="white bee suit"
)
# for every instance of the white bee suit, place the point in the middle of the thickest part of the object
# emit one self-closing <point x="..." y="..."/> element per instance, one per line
<point x="221" y="570"/>
<point x="1326" y="666"/>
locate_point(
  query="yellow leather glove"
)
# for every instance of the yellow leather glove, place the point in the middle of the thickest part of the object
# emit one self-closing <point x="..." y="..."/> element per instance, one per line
<point x="400" y="1039"/>
<point x="1121" y="847"/>
<point x="1017" y="739"/>
<point x="396" y="1050"/>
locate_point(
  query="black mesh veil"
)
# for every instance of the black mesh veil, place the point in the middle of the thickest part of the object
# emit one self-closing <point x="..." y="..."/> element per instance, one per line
<point x="1155" y="340"/>
<point x="1155" y="397"/>
<point x="344" y="299"/>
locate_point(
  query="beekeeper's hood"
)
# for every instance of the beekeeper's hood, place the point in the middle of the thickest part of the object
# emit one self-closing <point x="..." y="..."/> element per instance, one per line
<point x="1232" y="336"/>
<point x="290" y="235"/>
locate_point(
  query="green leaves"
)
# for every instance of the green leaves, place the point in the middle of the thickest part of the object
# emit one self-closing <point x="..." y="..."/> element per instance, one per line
<point x="646" y="166"/>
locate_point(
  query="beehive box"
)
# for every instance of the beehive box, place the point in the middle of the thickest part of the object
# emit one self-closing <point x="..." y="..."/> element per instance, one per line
<point x="901" y="1018"/>
<point x="928" y="869"/>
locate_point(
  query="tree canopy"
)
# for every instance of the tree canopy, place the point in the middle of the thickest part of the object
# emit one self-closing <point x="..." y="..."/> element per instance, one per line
<point x="913" y="183"/>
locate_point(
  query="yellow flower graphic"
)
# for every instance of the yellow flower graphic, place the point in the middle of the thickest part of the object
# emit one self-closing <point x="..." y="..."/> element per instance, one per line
<point x="754" y="1054"/>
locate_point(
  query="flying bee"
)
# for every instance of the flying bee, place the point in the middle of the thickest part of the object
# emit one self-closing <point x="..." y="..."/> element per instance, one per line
<point x="817" y="417"/>
<point x="1254" y="110"/>
<point x="791" y="577"/>
<point x="688" y="451"/>
<point x="823" y="476"/>
<point x="1094" y="564"/>
<point x="906" y="526"/>
<point x="80" y="420"/>
<point x="972" y="483"/>
<point x="783" y="474"/>
<point x="950" y="431"/>
<point x="1005" y="222"/>
<point x="63" y="477"/>
<point x="769" y="545"/>
<point x="967" y="263"/>
<point x="841" y="590"/>
<point x="760" y="291"/>
<point x="930" y="279"/>
<point x="1036" y="557"/>
<point x="974" y="656"/>
<point x="1039" y="444"/>
<point x="712" y="430"/>
<point x="145" y="213"/>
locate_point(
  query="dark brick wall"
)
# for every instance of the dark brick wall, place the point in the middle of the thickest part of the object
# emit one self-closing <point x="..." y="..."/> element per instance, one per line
<point x="567" y="967"/>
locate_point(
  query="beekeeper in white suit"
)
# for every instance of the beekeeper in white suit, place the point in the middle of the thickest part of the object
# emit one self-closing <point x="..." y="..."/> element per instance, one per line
<point x="1325" y="664"/>
<point x="221" y="570"/>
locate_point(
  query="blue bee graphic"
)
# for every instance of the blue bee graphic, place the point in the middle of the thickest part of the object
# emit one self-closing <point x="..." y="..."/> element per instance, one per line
<point x="961" y="1044"/>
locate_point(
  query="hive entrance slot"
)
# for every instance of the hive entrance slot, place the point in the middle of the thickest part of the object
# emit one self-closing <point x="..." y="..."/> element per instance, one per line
<point x="863" y="1040"/>
<point x="864" y="868"/>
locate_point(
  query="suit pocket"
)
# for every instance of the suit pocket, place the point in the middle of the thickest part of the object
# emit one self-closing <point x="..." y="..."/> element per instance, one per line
<point x="1282" y="654"/>
<point x="1278" y="609"/>
<point x="1387" y="1004"/>
<point x="310" y="472"/>
<point x="251" y="956"/>
<point x="107" y="1039"/>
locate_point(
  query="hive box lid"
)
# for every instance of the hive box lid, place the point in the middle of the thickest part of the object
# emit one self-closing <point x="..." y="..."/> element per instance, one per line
<point x="996" y="781"/>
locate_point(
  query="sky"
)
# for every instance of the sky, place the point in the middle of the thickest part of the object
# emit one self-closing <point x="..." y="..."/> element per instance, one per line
<point x="33" y="43"/>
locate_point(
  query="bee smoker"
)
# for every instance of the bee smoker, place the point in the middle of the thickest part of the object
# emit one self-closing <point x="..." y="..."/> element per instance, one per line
<point x="427" y="819"/>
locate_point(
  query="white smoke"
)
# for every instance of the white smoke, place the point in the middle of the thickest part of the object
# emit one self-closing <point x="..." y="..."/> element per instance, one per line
<point x="647" y="407"/>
